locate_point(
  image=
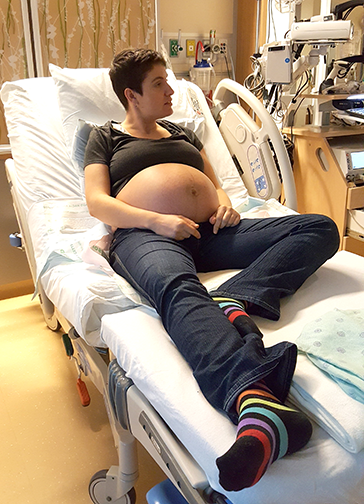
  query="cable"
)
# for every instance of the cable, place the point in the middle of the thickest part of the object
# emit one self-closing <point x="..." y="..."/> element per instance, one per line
<point x="231" y="63"/>
<point x="355" y="220"/>
<point x="294" y="114"/>
<point x="255" y="82"/>
<point x="301" y="87"/>
<point x="273" y="23"/>
<point x="348" y="12"/>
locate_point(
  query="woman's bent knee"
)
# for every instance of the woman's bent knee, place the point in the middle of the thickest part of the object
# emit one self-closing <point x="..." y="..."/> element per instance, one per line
<point x="331" y="235"/>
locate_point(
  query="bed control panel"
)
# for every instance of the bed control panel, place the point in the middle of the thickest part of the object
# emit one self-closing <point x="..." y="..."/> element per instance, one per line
<point x="257" y="171"/>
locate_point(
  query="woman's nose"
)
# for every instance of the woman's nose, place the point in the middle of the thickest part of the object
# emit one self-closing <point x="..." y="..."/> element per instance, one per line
<point x="169" y="91"/>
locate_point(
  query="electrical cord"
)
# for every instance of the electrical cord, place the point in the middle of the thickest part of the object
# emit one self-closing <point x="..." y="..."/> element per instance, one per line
<point x="271" y="21"/>
<point x="255" y="82"/>
<point x="293" y="116"/>
<point x="301" y="86"/>
<point x="355" y="220"/>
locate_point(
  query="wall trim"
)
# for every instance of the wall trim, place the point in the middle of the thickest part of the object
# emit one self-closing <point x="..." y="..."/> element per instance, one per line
<point x="16" y="289"/>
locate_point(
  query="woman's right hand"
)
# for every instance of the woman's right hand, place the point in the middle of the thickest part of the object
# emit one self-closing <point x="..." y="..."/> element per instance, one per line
<point x="175" y="226"/>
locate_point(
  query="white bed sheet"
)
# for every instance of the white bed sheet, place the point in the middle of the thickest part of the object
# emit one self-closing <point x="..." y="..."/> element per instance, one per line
<point x="323" y="472"/>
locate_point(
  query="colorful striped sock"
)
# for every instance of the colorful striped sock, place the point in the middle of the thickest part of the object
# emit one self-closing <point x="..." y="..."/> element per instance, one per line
<point x="236" y="313"/>
<point x="267" y="431"/>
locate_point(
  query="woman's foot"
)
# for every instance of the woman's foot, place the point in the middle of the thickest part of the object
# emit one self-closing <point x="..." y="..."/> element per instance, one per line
<point x="267" y="431"/>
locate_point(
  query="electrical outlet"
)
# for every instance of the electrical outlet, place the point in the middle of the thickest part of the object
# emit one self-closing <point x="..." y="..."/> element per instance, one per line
<point x="223" y="46"/>
<point x="173" y="48"/>
<point x="190" y="48"/>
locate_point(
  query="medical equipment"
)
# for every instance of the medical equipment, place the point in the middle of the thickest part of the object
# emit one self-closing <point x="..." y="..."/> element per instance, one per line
<point x="319" y="33"/>
<point x="279" y="70"/>
<point x="279" y="63"/>
<point x="355" y="224"/>
<point x="349" y="153"/>
<point x="149" y="390"/>
<point x="322" y="29"/>
<point x="202" y="73"/>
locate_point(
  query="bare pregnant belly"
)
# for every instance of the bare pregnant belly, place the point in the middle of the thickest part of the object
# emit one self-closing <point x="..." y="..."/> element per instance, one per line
<point x="172" y="189"/>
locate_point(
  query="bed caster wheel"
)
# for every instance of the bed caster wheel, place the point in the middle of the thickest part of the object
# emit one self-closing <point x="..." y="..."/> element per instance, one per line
<point x="97" y="491"/>
<point x="53" y="323"/>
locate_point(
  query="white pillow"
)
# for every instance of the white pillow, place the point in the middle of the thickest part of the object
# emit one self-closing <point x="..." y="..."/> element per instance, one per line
<point x="37" y="141"/>
<point x="85" y="93"/>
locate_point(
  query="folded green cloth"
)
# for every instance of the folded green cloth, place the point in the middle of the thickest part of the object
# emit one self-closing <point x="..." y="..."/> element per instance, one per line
<point x="335" y="343"/>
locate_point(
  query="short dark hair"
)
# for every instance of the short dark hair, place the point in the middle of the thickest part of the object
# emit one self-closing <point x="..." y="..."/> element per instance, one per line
<point x="129" y="68"/>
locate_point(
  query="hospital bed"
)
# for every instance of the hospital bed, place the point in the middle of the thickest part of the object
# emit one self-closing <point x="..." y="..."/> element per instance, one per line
<point x="118" y="341"/>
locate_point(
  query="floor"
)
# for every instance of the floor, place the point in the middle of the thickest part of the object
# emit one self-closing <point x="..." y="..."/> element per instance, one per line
<point x="50" y="445"/>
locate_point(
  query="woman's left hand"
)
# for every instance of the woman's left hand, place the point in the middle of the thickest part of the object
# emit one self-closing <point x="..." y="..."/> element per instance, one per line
<point x="225" y="216"/>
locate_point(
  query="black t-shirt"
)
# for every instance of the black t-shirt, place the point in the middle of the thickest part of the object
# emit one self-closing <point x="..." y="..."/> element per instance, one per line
<point x="126" y="155"/>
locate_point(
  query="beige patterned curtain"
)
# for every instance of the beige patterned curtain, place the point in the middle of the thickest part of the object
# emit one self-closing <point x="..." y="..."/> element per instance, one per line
<point x="13" y="64"/>
<point x="87" y="33"/>
<point x="73" y="33"/>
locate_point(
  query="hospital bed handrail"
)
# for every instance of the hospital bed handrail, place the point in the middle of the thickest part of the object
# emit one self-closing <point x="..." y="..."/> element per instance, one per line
<point x="269" y="125"/>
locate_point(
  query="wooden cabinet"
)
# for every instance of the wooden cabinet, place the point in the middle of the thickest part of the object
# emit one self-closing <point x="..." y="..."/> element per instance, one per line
<point x="321" y="183"/>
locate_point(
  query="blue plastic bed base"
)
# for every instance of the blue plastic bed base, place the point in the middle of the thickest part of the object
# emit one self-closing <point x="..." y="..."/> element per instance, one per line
<point x="165" y="493"/>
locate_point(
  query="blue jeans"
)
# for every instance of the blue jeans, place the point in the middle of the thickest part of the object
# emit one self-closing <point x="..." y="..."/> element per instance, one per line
<point x="275" y="255"/>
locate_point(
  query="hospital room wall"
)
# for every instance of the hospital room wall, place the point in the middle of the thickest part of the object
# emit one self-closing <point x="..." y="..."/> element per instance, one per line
<point x="232" y="19"/>
<point x="194" y="20"/>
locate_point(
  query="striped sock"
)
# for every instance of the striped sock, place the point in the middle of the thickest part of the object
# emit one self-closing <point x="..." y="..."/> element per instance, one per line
<point x="267" y="431"/>
<point x="236" y="313"/>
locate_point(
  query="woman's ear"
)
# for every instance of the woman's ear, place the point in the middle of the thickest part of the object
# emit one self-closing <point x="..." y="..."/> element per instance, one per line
<point x="130" y="95"/>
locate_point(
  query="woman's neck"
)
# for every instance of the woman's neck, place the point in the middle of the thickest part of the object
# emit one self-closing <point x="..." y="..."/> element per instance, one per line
<point x="144" y="129"/>
<point x="140" y="128"/>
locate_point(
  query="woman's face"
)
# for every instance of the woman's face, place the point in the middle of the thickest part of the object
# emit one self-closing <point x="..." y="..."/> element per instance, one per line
<point x="156" y="98"/>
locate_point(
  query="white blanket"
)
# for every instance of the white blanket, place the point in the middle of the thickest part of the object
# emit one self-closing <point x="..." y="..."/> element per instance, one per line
<point x="328" y="405"/>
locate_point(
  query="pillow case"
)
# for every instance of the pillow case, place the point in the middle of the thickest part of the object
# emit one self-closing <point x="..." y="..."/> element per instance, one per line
<point x="84" y="93"/>
<point x="37" y="141"/>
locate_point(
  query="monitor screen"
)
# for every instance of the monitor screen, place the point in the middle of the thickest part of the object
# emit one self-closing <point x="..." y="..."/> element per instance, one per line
<point x="357" y="160"/>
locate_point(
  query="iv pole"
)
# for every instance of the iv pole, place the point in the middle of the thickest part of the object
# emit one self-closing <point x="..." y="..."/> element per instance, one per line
<point x="257" y="27"/>
<point x="33" y="48"/>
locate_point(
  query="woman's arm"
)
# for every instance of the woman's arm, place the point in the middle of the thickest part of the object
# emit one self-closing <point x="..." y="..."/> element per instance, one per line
<point x="118" y="214"/>
<point x="225" y="215"/>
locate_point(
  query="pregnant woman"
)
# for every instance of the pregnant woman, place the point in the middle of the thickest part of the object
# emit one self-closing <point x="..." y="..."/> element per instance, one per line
<point x="152" y="182"/>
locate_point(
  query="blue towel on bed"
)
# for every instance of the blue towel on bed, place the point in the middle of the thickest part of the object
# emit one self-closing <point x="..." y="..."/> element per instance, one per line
<point x="335" y="343"/>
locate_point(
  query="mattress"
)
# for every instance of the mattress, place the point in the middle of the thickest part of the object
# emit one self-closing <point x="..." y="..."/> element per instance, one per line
<point x="324" y="472"/>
